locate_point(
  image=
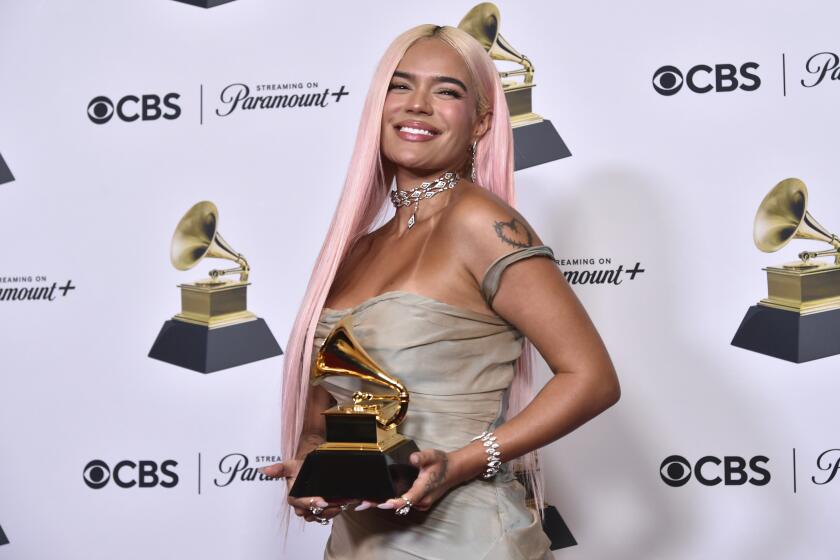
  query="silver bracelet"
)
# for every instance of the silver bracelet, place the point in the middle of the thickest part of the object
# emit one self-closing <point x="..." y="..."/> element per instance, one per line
<point x="493" y="454"/>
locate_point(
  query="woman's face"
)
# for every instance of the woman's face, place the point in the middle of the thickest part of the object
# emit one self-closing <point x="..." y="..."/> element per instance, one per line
<point x="429" y="118"/>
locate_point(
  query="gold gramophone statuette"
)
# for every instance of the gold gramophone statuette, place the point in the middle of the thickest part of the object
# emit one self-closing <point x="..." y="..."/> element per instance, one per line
<point x="799" y="320"/>
<point x="215" y="301"/>
<point x="482" y="22"/>
<point x="536" y="140"/>
<point x="364" y="456"/>
<point x="806" y="285"/>
<point x="214" y="329"/>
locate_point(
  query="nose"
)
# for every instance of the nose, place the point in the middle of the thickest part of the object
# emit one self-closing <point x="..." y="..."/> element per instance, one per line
<point x="418" y="102"/>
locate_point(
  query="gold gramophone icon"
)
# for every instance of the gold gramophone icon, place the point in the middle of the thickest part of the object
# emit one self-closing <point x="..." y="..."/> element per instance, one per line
<point x="536" y="141"/>
<point x="364" y="456"/>
<point x="214" y="329"/>
<point x="799" y="320"/>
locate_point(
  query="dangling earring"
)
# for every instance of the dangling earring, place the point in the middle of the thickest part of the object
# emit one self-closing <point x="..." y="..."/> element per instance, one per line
<point x="472" y="164"/>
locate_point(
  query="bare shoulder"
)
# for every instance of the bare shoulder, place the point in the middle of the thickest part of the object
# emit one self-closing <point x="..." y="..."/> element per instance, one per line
<point x="485" y="227"/>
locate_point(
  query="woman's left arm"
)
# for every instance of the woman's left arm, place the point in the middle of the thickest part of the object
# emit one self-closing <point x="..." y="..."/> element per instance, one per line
<point x="534" y="296"/>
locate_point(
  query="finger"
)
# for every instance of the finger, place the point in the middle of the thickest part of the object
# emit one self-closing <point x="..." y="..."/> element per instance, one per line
<point x="365" y="504"/>
<point x="415" y="494"/>
<point x="424" y="458"/>
<point x="308" y="503"/>
<point x="276" y="469"/>
<point x="279" y="470"/>
<point x="396" y="503"/>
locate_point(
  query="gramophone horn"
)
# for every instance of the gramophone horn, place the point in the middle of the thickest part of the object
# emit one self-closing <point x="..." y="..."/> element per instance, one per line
<point x="482" y="22"/>
<point x="341" y="354"/>
<point x="783" y="216"/>
<point x="196" y="237"/>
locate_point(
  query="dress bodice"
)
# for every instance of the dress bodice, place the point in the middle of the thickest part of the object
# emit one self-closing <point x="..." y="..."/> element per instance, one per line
<point x="457" y="364"/>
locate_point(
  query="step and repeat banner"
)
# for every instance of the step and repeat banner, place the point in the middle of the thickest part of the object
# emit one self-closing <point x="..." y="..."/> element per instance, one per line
<point x="690" y="157"/>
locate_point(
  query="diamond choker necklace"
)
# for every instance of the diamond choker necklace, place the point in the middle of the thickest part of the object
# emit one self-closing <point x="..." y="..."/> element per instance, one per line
<point x="427" y="190"/>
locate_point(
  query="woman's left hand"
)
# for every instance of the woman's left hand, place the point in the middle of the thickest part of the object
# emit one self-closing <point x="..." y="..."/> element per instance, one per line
<point x="437" y="475"/>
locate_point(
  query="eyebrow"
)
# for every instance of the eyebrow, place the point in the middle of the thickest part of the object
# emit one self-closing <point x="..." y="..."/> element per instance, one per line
<point x="443" y="79"/>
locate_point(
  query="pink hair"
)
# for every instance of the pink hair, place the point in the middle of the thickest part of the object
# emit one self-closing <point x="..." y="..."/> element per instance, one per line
<point x="364" y="194"/>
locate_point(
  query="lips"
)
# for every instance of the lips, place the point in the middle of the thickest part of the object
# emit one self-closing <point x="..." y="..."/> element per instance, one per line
<point x="416" y="131"/>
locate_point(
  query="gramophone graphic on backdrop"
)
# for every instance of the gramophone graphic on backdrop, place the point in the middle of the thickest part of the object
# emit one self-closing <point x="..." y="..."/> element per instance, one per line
<point x="214" y="329"/>
<point x="799" y="320"/>
<point x="535" y="140"/>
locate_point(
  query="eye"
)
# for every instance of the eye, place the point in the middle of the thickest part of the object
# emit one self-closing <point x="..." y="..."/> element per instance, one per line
<point x="451" y="92"/>
<point x="397" y="86"/>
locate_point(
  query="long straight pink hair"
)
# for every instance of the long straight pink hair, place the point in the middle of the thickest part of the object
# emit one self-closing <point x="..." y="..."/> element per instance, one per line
<point x="365" y="192"/>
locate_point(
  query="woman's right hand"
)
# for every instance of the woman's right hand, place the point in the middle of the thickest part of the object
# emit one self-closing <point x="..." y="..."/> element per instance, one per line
<point x="311" y="508"/>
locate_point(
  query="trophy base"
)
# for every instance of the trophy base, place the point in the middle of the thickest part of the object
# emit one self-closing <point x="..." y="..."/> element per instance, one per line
<point x="206" y="350"/>
<point x="803" y="287"/>
<point x="556" y="529"/>
<point x="205" y="3"/>
<point x="537" y="143"/>
<point x="364" y="475"/>
<point x="789" y="335"/>
<point x="5" y="173"/>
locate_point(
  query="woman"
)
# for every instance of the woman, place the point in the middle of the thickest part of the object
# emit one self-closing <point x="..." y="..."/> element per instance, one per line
<point x="430" y="304"/>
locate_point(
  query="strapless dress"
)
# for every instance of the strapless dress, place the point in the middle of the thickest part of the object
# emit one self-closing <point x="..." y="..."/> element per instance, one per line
<point x="457" y="365"/>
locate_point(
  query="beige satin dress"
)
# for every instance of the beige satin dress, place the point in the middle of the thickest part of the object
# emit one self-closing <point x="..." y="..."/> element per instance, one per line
<point x="457" y="365"/>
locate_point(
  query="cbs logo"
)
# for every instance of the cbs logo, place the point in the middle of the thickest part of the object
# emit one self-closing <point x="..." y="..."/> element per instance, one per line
<point x="711" y="471"/>
<point x="126" y="474"/>
<point x="130" y="108"/>
<point x="702" y="78"/>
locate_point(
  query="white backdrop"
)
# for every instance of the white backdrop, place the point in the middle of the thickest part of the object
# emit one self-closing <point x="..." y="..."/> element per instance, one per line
<point x="670" y="182"/>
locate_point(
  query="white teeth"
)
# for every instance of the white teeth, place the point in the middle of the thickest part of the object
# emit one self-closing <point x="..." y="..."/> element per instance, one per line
<point x="415" y="130"/>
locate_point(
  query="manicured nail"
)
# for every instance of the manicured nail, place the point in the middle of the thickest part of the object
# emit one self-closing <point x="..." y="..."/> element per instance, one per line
<point x="361" y="507"/>
<point x="321" y="503"/>
<point x="386" y="505"/>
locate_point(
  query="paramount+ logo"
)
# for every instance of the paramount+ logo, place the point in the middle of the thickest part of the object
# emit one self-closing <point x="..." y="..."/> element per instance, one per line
<point x="130" y="108"/>
<point x="128" y="474"/>
<point x="703" y="78"/>
<point x="729" y="470"/>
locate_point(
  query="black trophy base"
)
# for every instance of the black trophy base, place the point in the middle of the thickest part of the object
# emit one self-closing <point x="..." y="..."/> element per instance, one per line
<point x="535" y="144"/>
<point x="788" y="335"/>
<point x="556" y="529"/>
<point x="205" y="3"/>
<point x="207" y="350"/>
<point x="5" y="173"/>
<point x="3" y="539"/>
<point x="363" y="475"/>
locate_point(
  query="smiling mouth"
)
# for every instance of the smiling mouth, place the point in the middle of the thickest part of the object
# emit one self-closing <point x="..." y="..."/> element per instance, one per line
<point x="412" y="130"/>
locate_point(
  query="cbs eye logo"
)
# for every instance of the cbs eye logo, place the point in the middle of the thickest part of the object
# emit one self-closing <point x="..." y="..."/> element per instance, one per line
<point x="702" y="78"/>
<point x="676" y="471"/>
<point x="126" y="474"/>
<point x="131" y="108"/>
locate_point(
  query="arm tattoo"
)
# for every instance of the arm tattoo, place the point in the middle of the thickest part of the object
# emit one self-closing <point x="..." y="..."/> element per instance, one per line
<point x="436" y="478"/>
<point x="520" y="236"/>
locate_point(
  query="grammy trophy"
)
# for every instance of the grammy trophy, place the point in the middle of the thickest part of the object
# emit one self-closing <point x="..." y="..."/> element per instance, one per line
<point x="214" y="329"/>
<point x="799" y="320"/>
